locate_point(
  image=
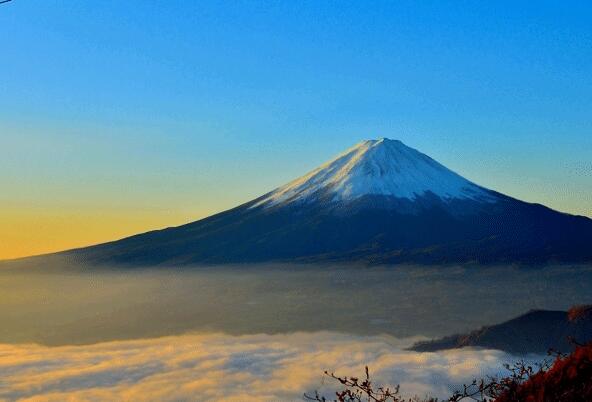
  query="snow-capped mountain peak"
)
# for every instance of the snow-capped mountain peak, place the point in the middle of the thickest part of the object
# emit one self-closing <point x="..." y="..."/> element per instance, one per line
<point x="377" y="167"/>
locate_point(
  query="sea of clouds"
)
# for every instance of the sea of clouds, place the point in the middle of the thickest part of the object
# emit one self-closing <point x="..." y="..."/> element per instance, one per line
<point x="233" y="368"/>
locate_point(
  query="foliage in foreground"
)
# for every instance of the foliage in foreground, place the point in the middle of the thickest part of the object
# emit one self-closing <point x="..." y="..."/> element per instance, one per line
<point x="566" y="379"/>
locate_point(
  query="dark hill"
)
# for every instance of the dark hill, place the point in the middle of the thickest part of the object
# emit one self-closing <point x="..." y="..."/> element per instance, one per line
<point x="534" y="332"/>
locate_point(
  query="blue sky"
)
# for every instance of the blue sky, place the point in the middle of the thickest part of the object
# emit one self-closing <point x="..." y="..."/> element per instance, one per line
<point x="179" y="109"/>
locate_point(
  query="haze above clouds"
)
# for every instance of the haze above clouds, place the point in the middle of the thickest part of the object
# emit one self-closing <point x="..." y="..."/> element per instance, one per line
<point x="54" y="306"/>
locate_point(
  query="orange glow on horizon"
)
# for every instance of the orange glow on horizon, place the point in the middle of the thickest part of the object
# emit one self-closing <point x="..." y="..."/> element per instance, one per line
<point x="27" y="232"/>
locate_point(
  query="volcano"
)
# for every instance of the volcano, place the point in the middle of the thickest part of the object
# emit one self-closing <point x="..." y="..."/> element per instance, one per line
<point x="378" y="202"/>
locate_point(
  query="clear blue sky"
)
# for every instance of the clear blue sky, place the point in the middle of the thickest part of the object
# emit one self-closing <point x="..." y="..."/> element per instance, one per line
<point x="178" y="109"/>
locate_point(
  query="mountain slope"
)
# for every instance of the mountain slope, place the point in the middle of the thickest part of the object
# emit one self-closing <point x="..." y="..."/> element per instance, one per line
<point x="534" y="332"/>
<point x="378" y="202"/>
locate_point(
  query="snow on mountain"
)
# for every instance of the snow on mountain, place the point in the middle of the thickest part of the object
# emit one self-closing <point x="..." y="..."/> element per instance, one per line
<point x="377" y="167"/>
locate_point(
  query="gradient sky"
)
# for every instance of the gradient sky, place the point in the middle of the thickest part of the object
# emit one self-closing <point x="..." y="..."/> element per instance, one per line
<point x="118" y="117"/>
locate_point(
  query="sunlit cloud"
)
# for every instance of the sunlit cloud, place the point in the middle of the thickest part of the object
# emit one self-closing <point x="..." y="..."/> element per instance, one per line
<point x="233" y="368"/>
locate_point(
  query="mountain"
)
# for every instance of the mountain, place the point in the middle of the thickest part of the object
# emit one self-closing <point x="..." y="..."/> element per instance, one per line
<point x="534" y="332"/>
<point x="382" y="167"/>
<point x="378" y="202"/>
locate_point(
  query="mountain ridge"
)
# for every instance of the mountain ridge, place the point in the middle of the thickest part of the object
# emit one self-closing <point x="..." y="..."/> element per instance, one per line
<point x="536" y="331"/>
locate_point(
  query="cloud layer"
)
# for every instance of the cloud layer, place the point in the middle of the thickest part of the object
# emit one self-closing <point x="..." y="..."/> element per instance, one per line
<point x="233" y="368"/>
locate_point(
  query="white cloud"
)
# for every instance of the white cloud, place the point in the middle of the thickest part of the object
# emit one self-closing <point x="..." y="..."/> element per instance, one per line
<point x="224" y="367"/>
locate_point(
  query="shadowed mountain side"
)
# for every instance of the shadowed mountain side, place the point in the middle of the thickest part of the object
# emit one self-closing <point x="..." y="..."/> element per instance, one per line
<point x="373" y="229"/>
<point x="534" y="332"/>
